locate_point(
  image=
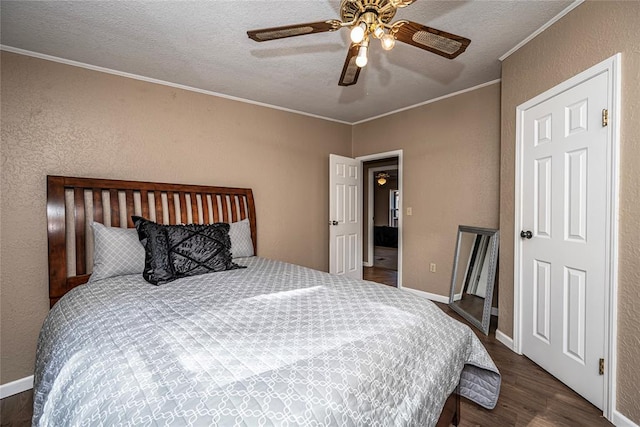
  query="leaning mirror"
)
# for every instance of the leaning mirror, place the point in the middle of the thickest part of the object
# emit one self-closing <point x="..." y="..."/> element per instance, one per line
<point x="474" y="273"/>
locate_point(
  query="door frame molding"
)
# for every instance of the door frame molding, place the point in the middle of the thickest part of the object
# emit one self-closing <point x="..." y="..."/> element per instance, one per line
<point x="379" y="156"/>
<point x="612" y="67"/>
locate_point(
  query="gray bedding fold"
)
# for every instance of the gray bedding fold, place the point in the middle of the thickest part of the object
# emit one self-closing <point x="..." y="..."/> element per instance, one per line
<point x="273" y="344"/>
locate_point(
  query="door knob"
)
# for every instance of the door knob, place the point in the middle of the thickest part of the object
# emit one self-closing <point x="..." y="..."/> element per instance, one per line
<point x="526" y="234"/>
<point x="333" y="222"/>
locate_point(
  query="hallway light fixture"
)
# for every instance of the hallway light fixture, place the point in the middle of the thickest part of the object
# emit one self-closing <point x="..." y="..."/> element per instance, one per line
<point x="382" y="178"/>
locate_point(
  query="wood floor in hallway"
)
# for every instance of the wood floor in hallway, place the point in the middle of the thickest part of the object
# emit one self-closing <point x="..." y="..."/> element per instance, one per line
<point x="380" y="275"/>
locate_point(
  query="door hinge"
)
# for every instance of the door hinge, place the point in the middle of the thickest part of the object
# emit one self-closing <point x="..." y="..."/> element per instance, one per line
<point x="601" y="367"/>
<point x="605" y="117"/>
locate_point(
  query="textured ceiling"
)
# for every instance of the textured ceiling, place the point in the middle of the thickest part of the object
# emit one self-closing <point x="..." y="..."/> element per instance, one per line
<point x="203" y="44"/>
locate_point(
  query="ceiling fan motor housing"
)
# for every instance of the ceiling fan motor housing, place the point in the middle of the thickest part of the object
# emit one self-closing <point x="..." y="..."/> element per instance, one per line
<point x="350" y="10"/>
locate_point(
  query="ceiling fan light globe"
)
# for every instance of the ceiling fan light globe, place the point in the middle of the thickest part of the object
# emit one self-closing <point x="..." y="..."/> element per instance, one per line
<point x="358" y="32"/>
<point x="361" y="59"/>
<point x="378" y="32"/>
<point x="388" y="42"/>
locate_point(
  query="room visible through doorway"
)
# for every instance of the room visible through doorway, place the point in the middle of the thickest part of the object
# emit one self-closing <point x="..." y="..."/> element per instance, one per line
<point x="381" y="210"/>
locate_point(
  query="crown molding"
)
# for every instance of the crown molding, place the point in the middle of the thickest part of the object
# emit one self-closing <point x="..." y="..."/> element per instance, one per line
<point x="440" y="98"/>
<point x="552" y="21"/>
<point x="222" y="95"/>
<point x="159" y="82"/>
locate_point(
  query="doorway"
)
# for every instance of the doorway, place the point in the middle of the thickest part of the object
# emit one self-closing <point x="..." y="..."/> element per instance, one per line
<point x="382" y="218"/>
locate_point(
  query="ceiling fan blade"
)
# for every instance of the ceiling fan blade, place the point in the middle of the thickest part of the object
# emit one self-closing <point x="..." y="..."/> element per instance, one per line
<point x="275" y="33"/>
<point x="427" y="38"/>
<point x="350" y="71"/>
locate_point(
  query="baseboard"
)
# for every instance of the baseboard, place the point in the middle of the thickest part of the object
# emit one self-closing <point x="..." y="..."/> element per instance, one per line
<point x="367" y="264"/>
<point x="429" y="295"/>
<point x="445" y="300"/>
<point x="620" y="420"/>
<point x="15" y="387"/>
<point x="504" y="339"/>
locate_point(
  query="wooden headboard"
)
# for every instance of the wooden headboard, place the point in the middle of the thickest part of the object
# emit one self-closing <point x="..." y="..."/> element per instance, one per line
<point x="73" y="203"/>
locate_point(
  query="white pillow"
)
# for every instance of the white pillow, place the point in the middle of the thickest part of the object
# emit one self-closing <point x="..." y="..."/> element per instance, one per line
<point x="240" y="235"/>
<point x="117" y="251"/>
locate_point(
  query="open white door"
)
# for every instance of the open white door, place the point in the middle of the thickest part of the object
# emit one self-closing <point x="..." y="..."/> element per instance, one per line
<point x="345" y="216"/>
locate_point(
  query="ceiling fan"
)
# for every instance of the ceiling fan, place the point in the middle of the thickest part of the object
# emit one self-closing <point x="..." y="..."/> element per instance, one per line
<point x="371" y="19"/>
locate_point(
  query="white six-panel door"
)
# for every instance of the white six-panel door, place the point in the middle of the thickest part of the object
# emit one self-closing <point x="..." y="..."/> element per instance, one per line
<point x="345" y="217"/>
<point x="563" y="263"/>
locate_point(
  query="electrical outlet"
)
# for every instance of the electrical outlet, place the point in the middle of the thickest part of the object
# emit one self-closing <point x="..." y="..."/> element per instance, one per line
<point x="409" y="211"/>
<point x="432" y="267"/>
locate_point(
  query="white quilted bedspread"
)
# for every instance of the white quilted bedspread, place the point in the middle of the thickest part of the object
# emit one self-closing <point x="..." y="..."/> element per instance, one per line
<point x="274" y="344"/>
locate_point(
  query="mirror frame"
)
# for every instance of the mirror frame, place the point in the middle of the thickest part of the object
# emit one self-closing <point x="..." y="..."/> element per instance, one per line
<point x="494" y="239"/>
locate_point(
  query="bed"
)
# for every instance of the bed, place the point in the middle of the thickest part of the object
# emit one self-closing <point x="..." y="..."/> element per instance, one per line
<point x="268" y="344"/>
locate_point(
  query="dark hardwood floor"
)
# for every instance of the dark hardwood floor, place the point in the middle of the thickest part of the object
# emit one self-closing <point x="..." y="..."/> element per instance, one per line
<point x="380" y="275"/>
<point x="17" y="410"/>
<point x="385" y="257"/>
<point x="529" y="396"/>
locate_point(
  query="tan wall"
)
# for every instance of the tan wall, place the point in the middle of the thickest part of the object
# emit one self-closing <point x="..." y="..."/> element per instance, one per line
<point x="58" y="119"/>
<point x="591" y="33"/>
<point x="451" y="162"/>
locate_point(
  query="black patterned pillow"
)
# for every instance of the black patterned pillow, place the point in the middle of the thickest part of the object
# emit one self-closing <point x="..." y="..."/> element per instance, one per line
<point x="157" y="266"/>
<point x="199" y="249"/>
<point x="175" y="251"/>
